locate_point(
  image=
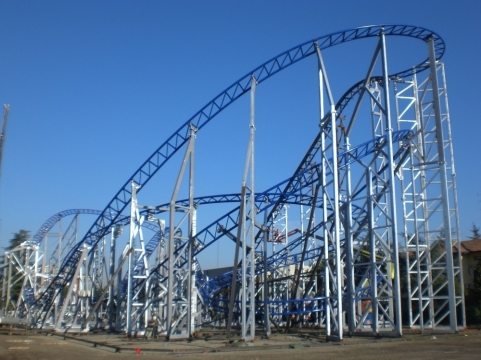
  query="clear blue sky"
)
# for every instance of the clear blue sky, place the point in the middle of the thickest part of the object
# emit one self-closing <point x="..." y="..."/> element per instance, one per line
<point x="96" y="86"/>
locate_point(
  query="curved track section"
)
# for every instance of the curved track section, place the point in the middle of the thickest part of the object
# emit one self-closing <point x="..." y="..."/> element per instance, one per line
<point x="212" y="109"/>
<point x="243" y="85"/>
<point x="51" y="221"/>
<point x="274" y="196"/>
<point x="240" y="87"/>
<point x="277" y="195"/>
<point x="208" y="289"/>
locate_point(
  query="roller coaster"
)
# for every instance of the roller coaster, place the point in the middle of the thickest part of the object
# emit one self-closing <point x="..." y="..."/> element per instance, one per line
<point x="370" y="253"/>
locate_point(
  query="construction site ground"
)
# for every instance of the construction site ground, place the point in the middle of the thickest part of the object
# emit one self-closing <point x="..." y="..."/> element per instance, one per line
<point x="213" y="344"/>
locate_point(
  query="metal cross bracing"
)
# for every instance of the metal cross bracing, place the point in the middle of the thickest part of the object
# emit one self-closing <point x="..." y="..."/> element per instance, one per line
<point x="82" y="292"/>
<point x="278" y="260"/>
<point x="181" y="298"/>
<point x="348" y="255"/>
<point x="136" y="285"/>
<point x="279" y="195"/>
<point x="380" y="265"/>
<point x="19" y="272"/>
<point x="139" y="267"/>
<point x="380" y="141"/>
<point x="329" y="196"/>
<point x="213" y="108"/>
<point x="36" y="270"/>
<point x="67" y="242"/>
<point x="431" y="229"/>
<point x="280" y="283"/>
<point x="360" y="151"/>
<point x="247" y="229"/>
<point x="287" y="255"/>
<point x="104" y="310"/>
<point x="139" y="289"/>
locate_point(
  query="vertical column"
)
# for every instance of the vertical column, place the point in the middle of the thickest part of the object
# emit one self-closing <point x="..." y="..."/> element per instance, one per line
<point x="330" y="198"/>
<point x="130" y="274"/>
<point x="118" y="310"/>
<point x="349" y="265"/>
<point x="180" y="252"/>
<point x="448" y="245"/>
<point x="4" y="286"/>
<point x="36" y="274"/>
<point x="267" y="326"/>
<point x="248" y="231"/>
<point x="455" y="206"/>
<point x="9" y="280"/>
<point x="408" y="119"/>
<point x="68" y="297"/>
<point x="372" y="252"/>
<point x="392" y="189"/>
<point x="191" y="238"/>
<point x="44" y="260"/>
<point x="114" y="232"/>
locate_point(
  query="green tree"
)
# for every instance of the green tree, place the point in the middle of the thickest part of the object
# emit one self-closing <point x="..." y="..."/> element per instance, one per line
<point x="18" y="238"/>
<point x="475" y="233"/>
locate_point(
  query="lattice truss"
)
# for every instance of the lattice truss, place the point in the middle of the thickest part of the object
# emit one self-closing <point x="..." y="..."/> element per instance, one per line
<point x="375" y="218"/>
<point x="434" y="278"/>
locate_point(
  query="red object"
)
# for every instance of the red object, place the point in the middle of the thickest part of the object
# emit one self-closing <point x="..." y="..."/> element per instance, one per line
<point x="137" y="350"/>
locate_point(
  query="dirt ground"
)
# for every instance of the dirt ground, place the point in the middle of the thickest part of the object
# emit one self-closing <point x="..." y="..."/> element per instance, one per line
<point x="38" y="346"/>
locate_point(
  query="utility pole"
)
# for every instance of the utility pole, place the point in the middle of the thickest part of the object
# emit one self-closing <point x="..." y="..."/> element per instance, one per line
<point x="6" y="109"/>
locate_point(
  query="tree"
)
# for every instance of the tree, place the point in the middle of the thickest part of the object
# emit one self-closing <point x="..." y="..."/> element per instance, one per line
<point x="18" y="238"/>
<point x="475" y="232"/>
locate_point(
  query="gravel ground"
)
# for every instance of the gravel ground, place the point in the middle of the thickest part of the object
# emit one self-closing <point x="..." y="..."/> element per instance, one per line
<point x="38" y="346"/>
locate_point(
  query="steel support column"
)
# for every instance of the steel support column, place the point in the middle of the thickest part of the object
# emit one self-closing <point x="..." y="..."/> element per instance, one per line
<point x="134" y="229"/>
<point x="329" y="193"/>
<point x="448" y="243"/>
<point x="179" y="293"/>
<point x="394" y="244"/>
<point x="246" y="223"/>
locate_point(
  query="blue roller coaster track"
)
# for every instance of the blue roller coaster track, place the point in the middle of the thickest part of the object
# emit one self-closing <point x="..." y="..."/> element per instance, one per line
<point x="229" y="221"/>
<point x="165" y="152"/>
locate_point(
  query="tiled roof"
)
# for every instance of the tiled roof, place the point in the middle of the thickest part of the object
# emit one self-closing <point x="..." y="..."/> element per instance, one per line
<point x="463" y="249"/>
<point x="468" y="246"/>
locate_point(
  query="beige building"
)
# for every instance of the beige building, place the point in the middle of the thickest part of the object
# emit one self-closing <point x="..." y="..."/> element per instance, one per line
<point x="471" y="253"/>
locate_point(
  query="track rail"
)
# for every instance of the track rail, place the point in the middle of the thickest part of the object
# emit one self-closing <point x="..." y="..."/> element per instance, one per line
<point x="151" y="166"/>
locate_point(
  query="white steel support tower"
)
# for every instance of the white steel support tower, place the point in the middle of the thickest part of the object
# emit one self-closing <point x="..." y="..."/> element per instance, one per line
<point x="279" y="289"/>
<point x="115" y="232"/>
<point x="378" y="208"/>
<point x="265" y="286"/>
<point x="382" y="224"/>
<point x="355" y="225"/>
<point x="181" y="296"/>
<point x="329" y="195"/>
<point x="138" y="253"/>
<point x="138" y="308"/>
<point x="370" y="223"/>
<point x="247" y="234"/>
<point x="75" y="300"/>
<point x="431" y="228"/>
